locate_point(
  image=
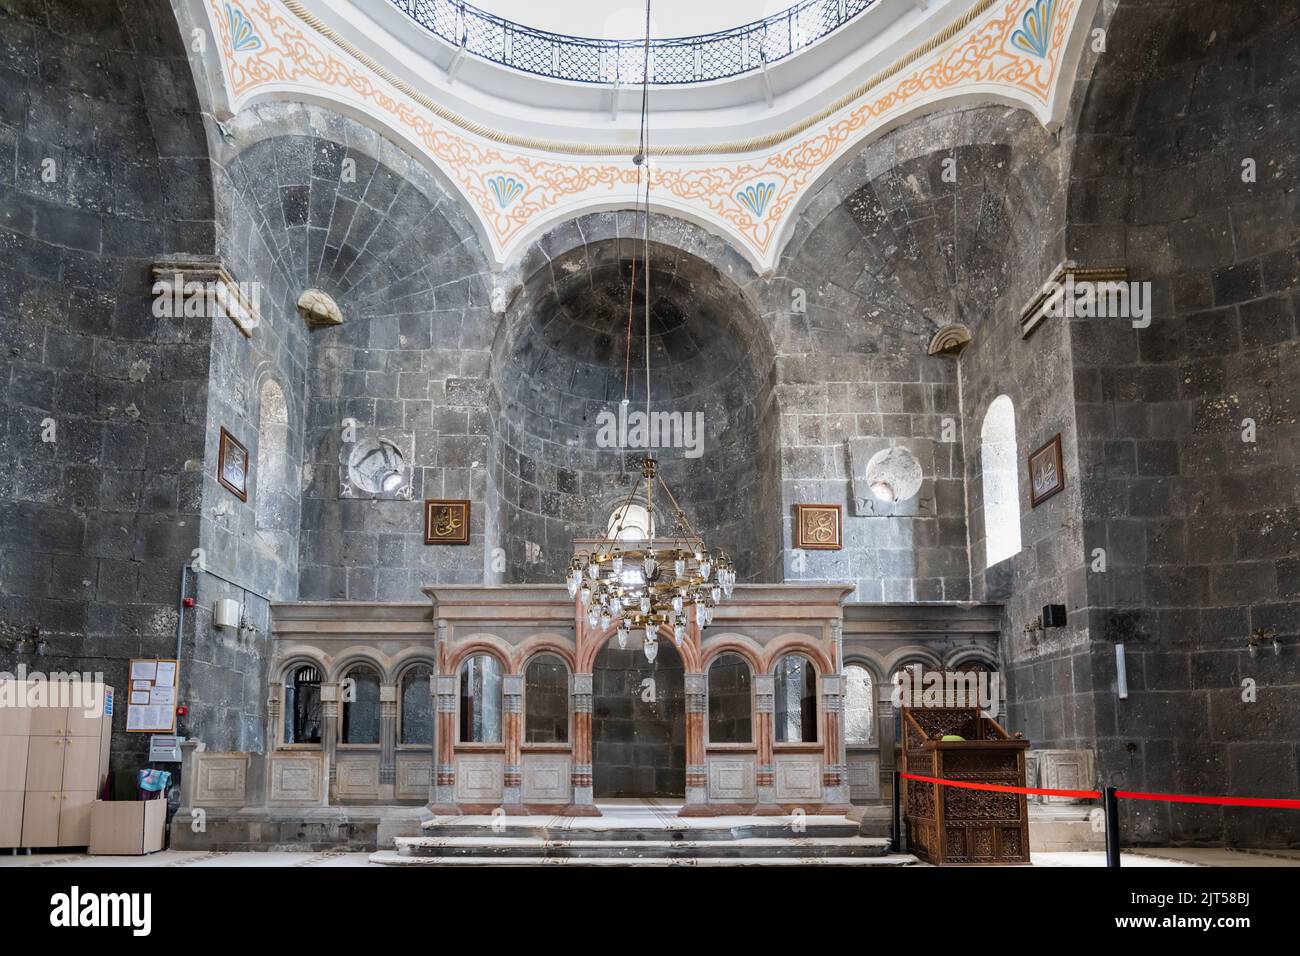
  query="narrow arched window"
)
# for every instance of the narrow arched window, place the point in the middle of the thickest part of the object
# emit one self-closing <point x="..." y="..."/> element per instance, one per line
<point x="795" y="700"/>
<point x="1001" y="487"/>
<point x="546" y="700"/>
<point x="731" y="719"/>
<point x="480" y="700"/>
<point x="859" y="705"/>
<point x="273" y="507"/>
<point x="302" y="705"/>
<point x="359" y="703"/>
<point x="416" y="715"/>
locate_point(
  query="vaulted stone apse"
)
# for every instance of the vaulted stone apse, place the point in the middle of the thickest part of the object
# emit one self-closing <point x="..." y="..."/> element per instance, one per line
<point x="559" y="364"/>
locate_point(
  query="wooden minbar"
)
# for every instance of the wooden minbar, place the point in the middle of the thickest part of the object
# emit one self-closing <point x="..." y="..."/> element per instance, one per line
<point x="956" y="825"/>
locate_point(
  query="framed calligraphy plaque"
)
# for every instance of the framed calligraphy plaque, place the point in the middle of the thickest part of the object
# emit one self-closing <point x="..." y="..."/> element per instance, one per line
<point x="820" y="527"/>
<point x="446" y="521"/>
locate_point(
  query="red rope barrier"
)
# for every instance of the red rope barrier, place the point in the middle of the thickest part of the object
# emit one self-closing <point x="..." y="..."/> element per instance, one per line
<point x="1124" y="794"/>
<point x="1221" y="801"/>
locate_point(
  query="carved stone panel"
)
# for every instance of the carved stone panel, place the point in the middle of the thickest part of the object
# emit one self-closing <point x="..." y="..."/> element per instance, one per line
<point x="1065" y="770"/>
<point x="296" y="779"/>
<point x="733" y="779"/>
<point x="546" y="778"/>
<point x="864" y="776"/>
<point x="357" y="777"/>
<point x="413" y="776"/>
<point x="480" y="778"/>
<point x="892" y="477"/>
<point x="221" y="780"/>
<point x="797" y="777"/>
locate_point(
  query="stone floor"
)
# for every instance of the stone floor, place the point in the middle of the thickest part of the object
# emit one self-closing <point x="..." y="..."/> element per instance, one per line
<point x="1157" y="857"/>
<point x="646" y="816"/>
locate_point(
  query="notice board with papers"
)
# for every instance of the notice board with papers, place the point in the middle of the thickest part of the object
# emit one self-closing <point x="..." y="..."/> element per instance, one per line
<point x="151" y="698"/>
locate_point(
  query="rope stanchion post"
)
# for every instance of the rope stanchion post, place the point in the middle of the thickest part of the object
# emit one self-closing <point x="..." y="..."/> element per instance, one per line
<point x="1111" y="804"/>
<point x="896" y="840"/>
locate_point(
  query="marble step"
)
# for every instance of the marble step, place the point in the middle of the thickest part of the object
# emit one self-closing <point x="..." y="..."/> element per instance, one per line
<point x="592" y="831"/>
<point x="394" y="858"/>
<point x="582" y="848"/>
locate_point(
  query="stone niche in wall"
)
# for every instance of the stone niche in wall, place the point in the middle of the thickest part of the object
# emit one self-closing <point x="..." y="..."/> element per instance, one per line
<point x="892" y="478"/>
<point x="377" y="464"/>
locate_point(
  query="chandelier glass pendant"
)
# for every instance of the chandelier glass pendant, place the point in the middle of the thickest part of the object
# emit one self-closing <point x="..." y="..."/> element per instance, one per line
<point x="650" y="584"/>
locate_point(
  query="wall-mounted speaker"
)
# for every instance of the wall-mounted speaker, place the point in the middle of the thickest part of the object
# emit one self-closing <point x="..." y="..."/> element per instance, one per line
<point x="1053" y="615"/>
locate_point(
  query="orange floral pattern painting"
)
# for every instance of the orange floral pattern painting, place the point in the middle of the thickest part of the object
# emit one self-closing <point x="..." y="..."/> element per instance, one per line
<point x="1014" y="52"/>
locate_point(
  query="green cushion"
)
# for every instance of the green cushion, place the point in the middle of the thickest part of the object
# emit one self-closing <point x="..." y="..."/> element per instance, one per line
<point x="952" y="737"/>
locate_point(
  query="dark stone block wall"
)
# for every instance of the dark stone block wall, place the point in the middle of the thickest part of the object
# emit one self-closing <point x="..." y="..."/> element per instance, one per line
<point x="559" y="365"/>
<point x="332" y="206"/>
<point x="1048" y="672"/>
<point x="885" y="254"/>
<point x="1201" y="528"/>
<point x="103" y="167"/>
<point x="638" y="725"/>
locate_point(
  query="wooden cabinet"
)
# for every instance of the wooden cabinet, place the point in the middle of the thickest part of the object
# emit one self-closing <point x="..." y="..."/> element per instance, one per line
<point x="48" y="721"/>
<point x="11" y="817"/>
<point x="74" y="817"/>
<point x="45" y="763"/>
<point x="81" y="764"/>
<point x="13" y="763"/>
<point x="53" y="761"/>
<point x="41" y="818"/>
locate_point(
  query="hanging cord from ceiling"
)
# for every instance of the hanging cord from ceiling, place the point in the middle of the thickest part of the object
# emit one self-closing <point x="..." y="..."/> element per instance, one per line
<point x="642" y="158"/>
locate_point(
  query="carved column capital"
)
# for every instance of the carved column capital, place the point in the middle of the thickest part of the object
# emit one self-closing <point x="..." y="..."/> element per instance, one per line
<point x="697" y="693"/>
<point x="445" y="692"/>
<point x="581" y="692"/>
<point x="512" y="693"/>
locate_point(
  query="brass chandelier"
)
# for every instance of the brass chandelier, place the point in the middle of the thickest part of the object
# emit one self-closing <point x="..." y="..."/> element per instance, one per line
<point x="645" y="587"/>
<point x="651" y="584"/>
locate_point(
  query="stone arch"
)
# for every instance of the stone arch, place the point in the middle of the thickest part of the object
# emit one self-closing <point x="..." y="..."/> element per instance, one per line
<point x="353" y="656"/>
<point x="911" y="654"/>
<point x="883" y="215"/>
<point x="796" y="643"/>
<point x="409" y="658"/>
<point x="746" y="647"/>
<point x="593" y="645"/>
<point x="298" y="147"/>
<point x="544" y="644"/>
<point x="638" y="722"/>
<point x="274" y="114"/>
<point x="968" y="654"/>
<point x="557" y="377"/>
<point x="480" y="644"/>
<point x="873" y="664"/>
<point x="298" y="657"/>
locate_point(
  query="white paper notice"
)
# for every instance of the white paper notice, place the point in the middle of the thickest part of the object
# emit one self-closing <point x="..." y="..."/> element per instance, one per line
<point x="166" y="674"/>
<point x="144" y="670"/>
<point x="139" y="697"/>
<point x="162" y="695"/>
<point x="141" y="685"/>
<point x="135" y="718"/>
